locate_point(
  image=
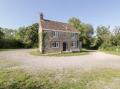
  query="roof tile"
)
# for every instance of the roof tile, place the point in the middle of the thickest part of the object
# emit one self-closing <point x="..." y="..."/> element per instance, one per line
<point x="55" y="25"/>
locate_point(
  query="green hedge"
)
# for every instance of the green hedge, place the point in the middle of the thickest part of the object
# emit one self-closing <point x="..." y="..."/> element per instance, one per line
<point x="110" y="48"/>
<point x="10" y="43"/>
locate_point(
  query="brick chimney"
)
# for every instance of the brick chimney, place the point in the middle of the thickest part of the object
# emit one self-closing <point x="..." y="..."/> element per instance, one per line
<point x="41" y="16"/>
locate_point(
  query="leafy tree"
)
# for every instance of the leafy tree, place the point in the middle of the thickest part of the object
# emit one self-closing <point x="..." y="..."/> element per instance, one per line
<point x="8" y="40"/>
<point x="23" y="37"/>
<point x="20" y="35"/>
<point x="116" y="36"/>
<point x="1" y="34"/>
<point x="29" y="35"/>
<point x="95" y="42"/>
<point x="104" y="36"/>
<point x="74" y="22"/>
<point x="86" y="31"/>
<point x="9" y="33"/>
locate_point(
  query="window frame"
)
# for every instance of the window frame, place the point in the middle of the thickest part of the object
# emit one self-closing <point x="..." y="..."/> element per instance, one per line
<point x="55" y="44"/>
<point x="74" y="44"/>
<point x="73" y="35"/>
<point x="55" y="34"/>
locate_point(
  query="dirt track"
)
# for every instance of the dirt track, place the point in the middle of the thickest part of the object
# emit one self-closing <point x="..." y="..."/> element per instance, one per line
<point x="90" y="61"/>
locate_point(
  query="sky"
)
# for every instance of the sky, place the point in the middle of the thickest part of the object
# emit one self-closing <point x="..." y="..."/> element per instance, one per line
<point x="18" y="13"/>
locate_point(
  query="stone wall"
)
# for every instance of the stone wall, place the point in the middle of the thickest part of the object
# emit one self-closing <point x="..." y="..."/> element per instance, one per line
<point x="62" y="37"/>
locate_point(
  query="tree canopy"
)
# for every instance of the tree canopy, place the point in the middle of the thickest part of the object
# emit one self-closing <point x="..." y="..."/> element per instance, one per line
<point x="28" y="35"/>
<point x="86" y="31"/>
<point x="74" y="22"/>
<point x="24" y="37"/>
<point x="1" y="34"/>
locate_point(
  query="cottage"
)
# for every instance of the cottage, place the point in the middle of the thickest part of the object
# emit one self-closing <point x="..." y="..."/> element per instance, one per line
<point x="56" y="36"/>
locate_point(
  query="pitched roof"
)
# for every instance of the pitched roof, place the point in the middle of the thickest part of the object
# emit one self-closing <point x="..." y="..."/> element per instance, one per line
<point x="58" y="26"/>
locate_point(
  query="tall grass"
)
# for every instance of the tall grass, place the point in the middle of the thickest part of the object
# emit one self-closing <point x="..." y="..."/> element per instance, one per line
<point x="73" y="79"/>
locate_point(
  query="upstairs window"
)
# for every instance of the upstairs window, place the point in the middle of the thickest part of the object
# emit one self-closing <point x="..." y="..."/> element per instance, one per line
<point x="54" y="44"/>
<point x="73" y="35"/>
<point x="55" y="34"/>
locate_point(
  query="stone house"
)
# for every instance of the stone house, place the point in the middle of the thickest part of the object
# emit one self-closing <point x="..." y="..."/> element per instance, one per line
<point x="57" y="36"/>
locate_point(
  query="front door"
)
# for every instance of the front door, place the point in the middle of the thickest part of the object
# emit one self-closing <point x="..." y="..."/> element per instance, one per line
<point x="64" y="46"/>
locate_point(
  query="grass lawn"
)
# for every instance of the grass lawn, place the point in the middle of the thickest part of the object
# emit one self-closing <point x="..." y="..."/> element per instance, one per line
<point x="113" y="52"/>
<point x="18" y="78"/>
<point x="83" y="52"/>
<point x="6" y="49"/>
<point x="74" y="79"/>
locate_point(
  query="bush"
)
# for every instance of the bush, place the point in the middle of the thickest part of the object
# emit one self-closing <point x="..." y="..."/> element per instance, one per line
<point x="10" y="43"/>
<point x="110" y="48"/>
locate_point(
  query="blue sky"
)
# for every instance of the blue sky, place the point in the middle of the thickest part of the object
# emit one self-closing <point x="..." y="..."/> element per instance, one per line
<point x="17" y="13"/>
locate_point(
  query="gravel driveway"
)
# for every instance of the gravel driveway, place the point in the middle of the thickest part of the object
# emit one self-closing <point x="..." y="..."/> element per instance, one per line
<point x="90" y="61"/>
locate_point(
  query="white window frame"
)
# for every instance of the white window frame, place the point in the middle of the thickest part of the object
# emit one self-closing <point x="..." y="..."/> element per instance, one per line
<point x="73" y="35"/>
<point x="55" y="34"/>
<point x="74" y="44"/>
<point x="55" y="44"/>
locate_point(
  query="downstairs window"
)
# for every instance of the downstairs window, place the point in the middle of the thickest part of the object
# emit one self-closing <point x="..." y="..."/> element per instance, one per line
<point x="55" y="44"/>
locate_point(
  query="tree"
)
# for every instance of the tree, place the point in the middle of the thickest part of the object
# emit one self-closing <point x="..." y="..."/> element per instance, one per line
<point x="74" y="22"/>
<point x="20" y="35"/>
<point x="116" y="36"/>
<point x="29" y="35"/>
<point x="1" y="34"/>
<point x="8" y="33"/>
<point x="103" y="36"/>
<point x="86" y="31"/>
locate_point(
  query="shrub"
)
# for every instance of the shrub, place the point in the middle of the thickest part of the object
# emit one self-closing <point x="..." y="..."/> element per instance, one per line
<point x="110" y="48"/>
<point x="10" y="43"/>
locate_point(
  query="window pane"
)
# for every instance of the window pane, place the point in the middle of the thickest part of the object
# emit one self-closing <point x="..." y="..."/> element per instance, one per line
<point x="55" y="44"/>
<point x="55" y="34"/>
<point x="74" y="44"/>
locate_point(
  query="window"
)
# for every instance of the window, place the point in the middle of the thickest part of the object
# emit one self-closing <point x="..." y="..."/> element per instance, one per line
<point x="55" y="44"/>
<point x="55" y="34"/>
<point x="74" y="44"/>
<point x="73" y="35"/>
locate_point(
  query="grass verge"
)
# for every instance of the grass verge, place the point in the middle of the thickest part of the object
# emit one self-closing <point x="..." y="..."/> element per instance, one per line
<point x="6" y="49"/>
<point x="82" y="52"/>
<point x="112" y="52"/>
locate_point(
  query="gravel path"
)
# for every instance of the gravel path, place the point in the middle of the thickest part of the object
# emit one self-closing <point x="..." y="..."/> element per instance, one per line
<point x="90" y="61"/>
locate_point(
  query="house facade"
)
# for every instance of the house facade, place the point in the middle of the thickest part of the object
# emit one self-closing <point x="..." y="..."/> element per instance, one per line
<point x="56" y="36"/>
